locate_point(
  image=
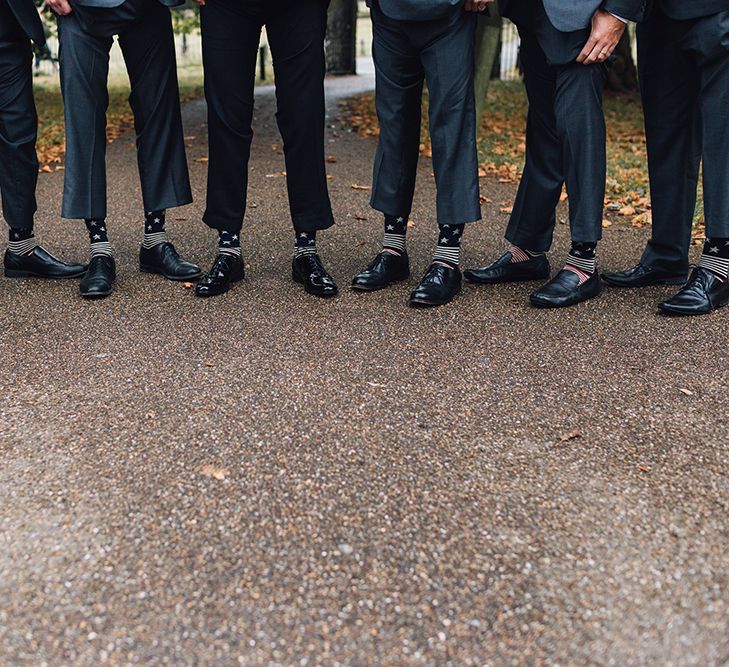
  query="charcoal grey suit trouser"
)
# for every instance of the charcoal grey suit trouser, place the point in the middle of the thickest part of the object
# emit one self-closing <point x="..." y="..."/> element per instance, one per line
<point x="145" y="35"/>
<point x="406" y="54"/>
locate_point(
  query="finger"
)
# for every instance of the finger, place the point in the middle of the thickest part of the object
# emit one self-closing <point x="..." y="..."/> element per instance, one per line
<point x="593" y="56"/>
<point x="587" y="50"/>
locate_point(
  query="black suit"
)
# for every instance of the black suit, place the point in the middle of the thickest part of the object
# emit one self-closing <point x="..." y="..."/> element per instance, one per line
<point x="231" y="32"/>
<point x="145" y="35"/>
<point x="683" y="51"/>
<point x="565" y="141"/>
<point x="19" y="21"/>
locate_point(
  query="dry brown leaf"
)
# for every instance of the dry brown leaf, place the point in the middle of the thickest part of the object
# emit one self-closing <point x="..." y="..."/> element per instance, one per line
<point x="201" y="159"/>
<point x="213" y="471"/>
<point x="356" y="186"/>
<point x="188" y="285"/>
<point x="572" y="435"/>
<point x="626" y="211"/>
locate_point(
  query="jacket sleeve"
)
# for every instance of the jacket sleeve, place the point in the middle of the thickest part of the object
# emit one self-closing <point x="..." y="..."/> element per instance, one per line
<point x="632" y="10"/>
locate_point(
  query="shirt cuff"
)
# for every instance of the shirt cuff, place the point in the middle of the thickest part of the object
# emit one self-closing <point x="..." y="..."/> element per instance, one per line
<point x="620" y="18"/>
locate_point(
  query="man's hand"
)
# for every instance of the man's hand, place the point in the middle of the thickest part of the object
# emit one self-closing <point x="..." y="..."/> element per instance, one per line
<point x="606" y="33"/>
<point x="476" y="5"/>
<point x="61" y="7"/>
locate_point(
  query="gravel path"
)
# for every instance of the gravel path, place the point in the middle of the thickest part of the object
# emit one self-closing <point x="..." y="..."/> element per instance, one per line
<point x="265" y="478"/>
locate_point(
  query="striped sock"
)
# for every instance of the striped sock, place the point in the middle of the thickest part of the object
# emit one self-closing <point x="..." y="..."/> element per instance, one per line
<point x="154" y="229"/>
<point x="522" y="255"/>
<point x="448" y="250"/>
<point x="229" y="243"/>
<point x="582" y="260"/>
<point x="98" y="237"/>
<point x="305" y="244"/>
<point x="22" y="241"/>
<point x="396" y="227"/>
<point x="715" y="257"/>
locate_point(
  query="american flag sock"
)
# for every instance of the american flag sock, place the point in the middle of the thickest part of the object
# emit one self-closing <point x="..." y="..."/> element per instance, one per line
<point x="396" y="228"/>
<point x="448" y="250"/>
<point x="582" y="260"/>
<point x="98" y="237"/>
<point x="519" y="254"/>
<point x="154" y="228"/>
<point x="715" y="257"/>
<point x="229" y="243"/>
<point x="21" y="241"/>
<point x="305" y="244"/>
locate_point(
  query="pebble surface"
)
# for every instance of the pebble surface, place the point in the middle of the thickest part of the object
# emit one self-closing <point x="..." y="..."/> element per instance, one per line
<point x="265" y="478"/>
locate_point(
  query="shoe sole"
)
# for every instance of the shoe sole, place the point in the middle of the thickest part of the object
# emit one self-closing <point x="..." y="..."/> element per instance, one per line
<point x="360" y="288"/>
<point x="94" y="296"/>
<point x="423" y="303"/>
<point x="12" y="273"/>
<point x="176" y="279"/>
<point x="547" y="305"/>
<point x="653" y="283"/>
<point x="297" y="279"/>
<point x="683" y="313"/>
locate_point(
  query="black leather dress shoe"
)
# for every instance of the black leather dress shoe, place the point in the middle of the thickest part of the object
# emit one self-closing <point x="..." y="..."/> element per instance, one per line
<point x="702" y="293"/>
<point x="40" y="264"/>
<point x="164" y="260"/>
<point x="439" y="285"/>
<point x="99" y="279"/>
<point x="565" y="290"/>
<point x="385" y="269"/>
<point x="643" y="276"/>
<point x="503" y="270"/>
<point x="226" y="270"/>
<point x="309" y="272"/>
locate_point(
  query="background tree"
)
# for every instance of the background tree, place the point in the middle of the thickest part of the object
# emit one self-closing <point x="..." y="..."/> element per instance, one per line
<point x="341" y="40"/>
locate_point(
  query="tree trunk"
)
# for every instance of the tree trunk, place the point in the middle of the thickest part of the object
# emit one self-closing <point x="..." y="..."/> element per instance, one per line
<point x="341" y="40"/>
<point x="623" y="74"/>
<point x="488" y="39"/>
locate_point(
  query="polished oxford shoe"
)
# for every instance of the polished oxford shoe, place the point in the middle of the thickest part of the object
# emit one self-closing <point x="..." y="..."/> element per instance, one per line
<point x="40" y="264"/>
<point x="164" y="260"/>
<point x="309" y="272"/>
<point x="503" y="270"/>
<point x="439" y="285"/>
<point x="99" y="279"/>
<point x="226" y="270"/>
<point x="385" y="269"/>
<point x="643" y="276"/>
<point x="703" y="293"/>
<point x="565" y="290"/>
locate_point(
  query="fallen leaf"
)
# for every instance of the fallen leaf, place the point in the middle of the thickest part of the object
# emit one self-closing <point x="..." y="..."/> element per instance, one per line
<point x="572" y="435"/>
<point x="688" y="392"/>
<point x="626" y="211"/>
<point x="188" y="285"/>
<point x="356" y="186"/>
<point x="201" y="159"/>
<point x="331" y="159"/>
<point x="643" y="468"/>
<point x="213" y="471"/>
<point x="505" y="209"/>
<point x="278" y="174"/>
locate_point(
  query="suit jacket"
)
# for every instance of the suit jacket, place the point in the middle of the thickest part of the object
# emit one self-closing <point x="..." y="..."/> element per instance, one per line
<point x="573" y="15"/>
<point x="691" y="9"/>
<point x="30" y="22"/>
<point x="570" y="15"/>
<point x="108" y="4"/>
<point x="419" y="10"/>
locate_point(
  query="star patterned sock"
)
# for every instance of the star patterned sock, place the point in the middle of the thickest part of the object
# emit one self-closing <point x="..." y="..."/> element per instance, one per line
<point x="154" y="229"/>
<point x="519" y="254"/>
<point x="715" y="257"/>
<point x="396" y="228"/>
<point x="229" y="243"/>
<point x="98" y="237"/>
<point x="448" y="250"/>
<point x="305" y="244"/>
<point x="22" y="241"/>
<point x="582" y="260"/>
